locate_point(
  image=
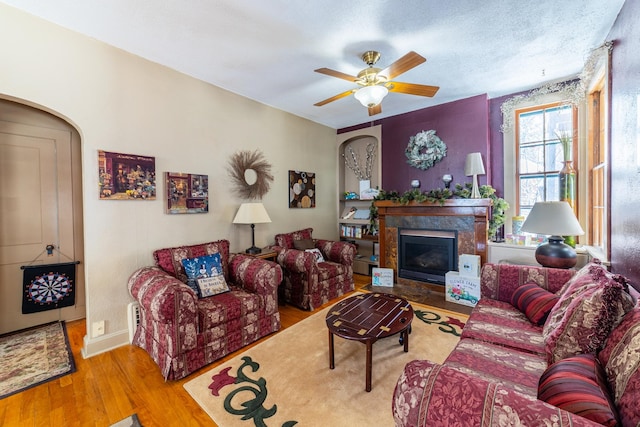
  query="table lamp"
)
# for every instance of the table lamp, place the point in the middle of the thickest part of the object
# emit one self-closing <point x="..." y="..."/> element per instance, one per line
<point x="252" y="213"/>
<point x="556" y="219"/>
<point x="474" y="167"/>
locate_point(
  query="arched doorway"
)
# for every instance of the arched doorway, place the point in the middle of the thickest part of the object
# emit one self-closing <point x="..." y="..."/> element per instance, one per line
<point x="40" y="205"/>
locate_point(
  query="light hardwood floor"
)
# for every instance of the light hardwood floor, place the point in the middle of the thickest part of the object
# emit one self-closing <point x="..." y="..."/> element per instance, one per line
<point x="111" y="386"/>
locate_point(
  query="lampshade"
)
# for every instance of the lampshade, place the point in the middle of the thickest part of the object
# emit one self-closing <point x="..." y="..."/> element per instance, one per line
<point x="370" y="96"/>
<point x="251" y="213"/>
<point x="556" y="219"/>
<point x="474" y="165"/>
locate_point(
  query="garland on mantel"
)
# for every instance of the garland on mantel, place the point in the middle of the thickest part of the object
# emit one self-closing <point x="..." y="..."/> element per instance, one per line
<point x="573" y="92"/>
<point x="439" y="195"/>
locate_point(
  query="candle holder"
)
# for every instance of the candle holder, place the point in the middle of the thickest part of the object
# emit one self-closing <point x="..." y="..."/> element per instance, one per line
<point x="447" y="180"/>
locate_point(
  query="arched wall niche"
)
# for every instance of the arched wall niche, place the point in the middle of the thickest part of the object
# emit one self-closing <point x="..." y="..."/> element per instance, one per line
<point x="358" y="140"/>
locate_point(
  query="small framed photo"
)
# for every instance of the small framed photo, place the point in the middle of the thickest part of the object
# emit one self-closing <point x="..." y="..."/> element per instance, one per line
<point x="382" y="276"/>
<point x="186" y="193"/>
<point x="469" y="265"/>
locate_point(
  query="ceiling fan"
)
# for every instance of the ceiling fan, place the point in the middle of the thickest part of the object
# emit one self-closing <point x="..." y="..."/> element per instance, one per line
<point x="376" y="83"/>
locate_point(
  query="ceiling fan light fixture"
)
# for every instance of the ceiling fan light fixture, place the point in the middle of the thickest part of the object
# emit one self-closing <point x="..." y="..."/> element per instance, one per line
<point x="370" y="96"/>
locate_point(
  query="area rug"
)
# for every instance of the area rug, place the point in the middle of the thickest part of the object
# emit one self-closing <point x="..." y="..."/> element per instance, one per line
<point x="33" y="356"/>
<point x="130" y="421"/>
<point x="286" y="380"/>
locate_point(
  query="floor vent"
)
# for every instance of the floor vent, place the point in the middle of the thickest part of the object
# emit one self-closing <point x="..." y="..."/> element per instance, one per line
<point x="133" y="310"/>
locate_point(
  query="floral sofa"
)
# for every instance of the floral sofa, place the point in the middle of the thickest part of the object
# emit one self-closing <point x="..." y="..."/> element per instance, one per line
<point x="315" y="271"/>
<point x="543" y="347"/>
<point x="183" y="331"/>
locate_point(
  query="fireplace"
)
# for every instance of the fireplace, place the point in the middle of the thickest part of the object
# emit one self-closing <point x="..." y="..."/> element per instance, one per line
<point x="427" y="255"/>
<point x="468" y="217"/>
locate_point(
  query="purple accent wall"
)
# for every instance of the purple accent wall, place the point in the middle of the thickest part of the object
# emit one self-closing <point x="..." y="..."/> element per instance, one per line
<point x="625" y="143"/>
<point x="497" y="144"/>
<point x="462" y="125"/>
<point x="473" y="124"/>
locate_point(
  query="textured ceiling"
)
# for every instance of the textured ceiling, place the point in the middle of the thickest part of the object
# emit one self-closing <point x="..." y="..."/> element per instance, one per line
<point x="267" y="50"/>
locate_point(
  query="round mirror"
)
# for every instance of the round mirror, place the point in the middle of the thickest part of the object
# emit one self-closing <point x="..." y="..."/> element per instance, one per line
<point x="250" y="176"/>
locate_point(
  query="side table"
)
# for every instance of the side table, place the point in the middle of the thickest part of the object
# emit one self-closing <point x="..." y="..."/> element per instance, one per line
<point x="267" y="253"/>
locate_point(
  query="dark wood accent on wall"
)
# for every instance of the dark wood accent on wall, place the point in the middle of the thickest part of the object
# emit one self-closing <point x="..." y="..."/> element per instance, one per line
<point x="472" y="238"/>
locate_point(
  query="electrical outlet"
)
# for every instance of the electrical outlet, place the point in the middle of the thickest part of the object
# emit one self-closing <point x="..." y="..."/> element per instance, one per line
<point x="97" y="328"/>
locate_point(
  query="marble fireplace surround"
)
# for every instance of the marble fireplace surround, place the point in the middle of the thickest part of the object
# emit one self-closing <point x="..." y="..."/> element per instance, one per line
<point x="469" y="217"/>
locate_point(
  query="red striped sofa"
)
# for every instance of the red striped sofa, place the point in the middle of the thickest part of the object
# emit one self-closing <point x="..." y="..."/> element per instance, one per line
<point x="182" y="332"/>
<point x="578" y="365"/>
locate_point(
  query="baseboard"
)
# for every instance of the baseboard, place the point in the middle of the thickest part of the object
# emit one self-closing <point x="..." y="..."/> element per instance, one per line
<point x="93" y="347"/>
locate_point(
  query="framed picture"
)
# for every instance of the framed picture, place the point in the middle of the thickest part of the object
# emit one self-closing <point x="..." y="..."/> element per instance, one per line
<point x="302" y="189"/>
<point x="126" y="176"/>
<point x="382" y="276"/>
<point x="186" y="193"/>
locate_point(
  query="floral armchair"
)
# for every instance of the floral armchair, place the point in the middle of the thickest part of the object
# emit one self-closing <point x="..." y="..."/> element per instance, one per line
<point x="183" y="331"/>
<point x="309" y="280"/>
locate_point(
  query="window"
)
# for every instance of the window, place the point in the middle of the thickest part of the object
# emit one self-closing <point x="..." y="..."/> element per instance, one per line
<point x="539" y="153"/>
<point x="597" y="164"/>
<point x="533" y="157"/>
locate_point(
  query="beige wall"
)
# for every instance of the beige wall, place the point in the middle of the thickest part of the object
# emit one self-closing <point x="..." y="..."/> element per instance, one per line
<point x="122" y="103"/>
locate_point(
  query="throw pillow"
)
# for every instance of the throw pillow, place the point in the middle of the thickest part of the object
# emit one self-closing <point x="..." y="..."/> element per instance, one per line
<point x="534" y="301"/>
<point x="591" y="304"/>
<point x="303" y="244"/>
<point x="317" y="254"/>
<point x="205" y="276"/>
<point x="285" y="240"/>
<point x="579" y="385"/>
<point x="620" y="358"/>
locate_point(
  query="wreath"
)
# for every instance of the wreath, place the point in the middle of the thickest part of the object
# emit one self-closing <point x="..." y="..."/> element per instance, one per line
<point x="242" y="161"/>
<point x="425" y="149"/>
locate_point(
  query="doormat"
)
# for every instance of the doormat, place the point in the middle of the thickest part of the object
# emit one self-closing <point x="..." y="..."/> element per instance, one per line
<point x="286" y="380"/>
<point x="34" y="356"/>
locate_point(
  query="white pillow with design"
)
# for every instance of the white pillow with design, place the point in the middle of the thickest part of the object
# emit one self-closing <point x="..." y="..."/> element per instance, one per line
<point x="316" y="252"/>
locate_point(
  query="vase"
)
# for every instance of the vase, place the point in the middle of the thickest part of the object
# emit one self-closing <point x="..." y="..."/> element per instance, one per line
<point x="567" y="191"/>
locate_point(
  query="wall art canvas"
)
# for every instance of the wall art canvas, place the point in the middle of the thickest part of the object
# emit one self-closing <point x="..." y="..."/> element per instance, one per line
<point x="187" y="193"/>
<point x="302" y="189"/>
<point x="126" y="176"/>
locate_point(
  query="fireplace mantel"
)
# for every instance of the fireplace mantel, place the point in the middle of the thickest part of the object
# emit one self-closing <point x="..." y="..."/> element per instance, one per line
<point x="470" y="217"/>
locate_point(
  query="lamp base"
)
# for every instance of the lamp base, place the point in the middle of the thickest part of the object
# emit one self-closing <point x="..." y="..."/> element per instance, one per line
<point x="253" y="250"/>
<point x="556" y="254"/>
<point x="475" y="191"/>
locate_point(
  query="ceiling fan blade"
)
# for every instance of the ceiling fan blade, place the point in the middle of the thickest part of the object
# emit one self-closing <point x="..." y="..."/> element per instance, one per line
<point x="412" y="89"/>
<point x="338" y="74"/>
<point x="334" y="98"/>
<point x="376" y="109"/>
<point x="402" y="65"/>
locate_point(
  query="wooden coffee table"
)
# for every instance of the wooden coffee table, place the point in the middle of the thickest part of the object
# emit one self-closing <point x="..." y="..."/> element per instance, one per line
<point x="368" y="318"/>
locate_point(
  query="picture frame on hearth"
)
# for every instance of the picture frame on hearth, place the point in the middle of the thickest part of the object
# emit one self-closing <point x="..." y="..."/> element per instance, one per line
<point x="382" y="276"/>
